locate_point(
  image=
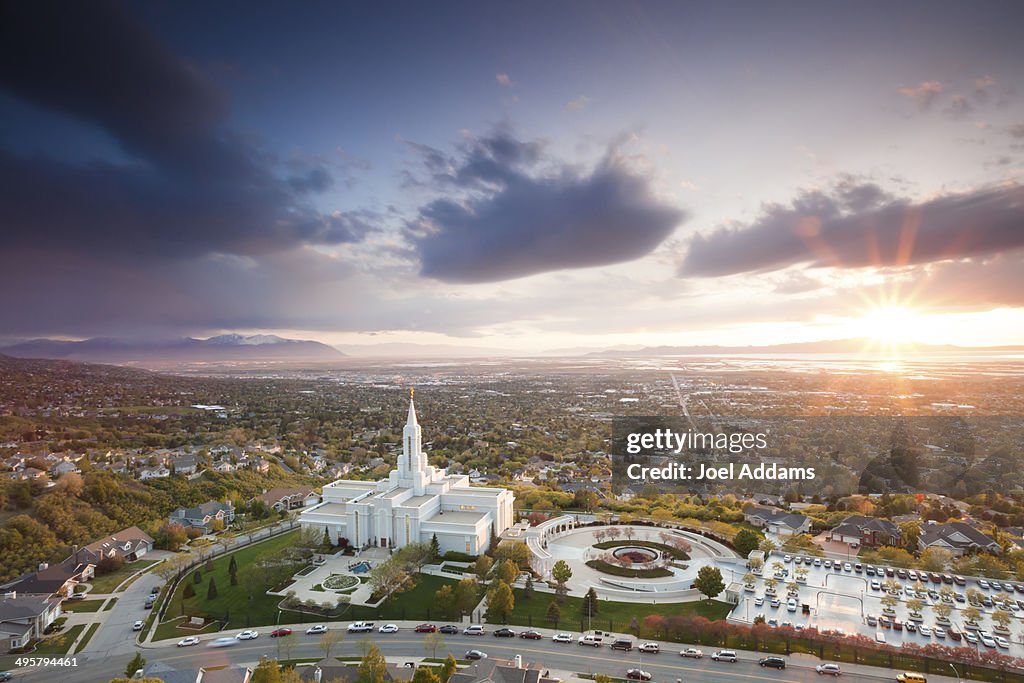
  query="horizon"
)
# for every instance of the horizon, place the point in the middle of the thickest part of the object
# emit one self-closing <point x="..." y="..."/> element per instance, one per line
<point x="676" y="175"/>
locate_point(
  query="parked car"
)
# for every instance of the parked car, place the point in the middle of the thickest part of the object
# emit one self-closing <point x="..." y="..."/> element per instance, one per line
<point x="562" y="638"/>
<point x="6" y="675"/>
<point x="759" y="600"/>
<point x="592" y="641"/>
<point x="650" y="648"/>
<point x="724" y="656"/>
<point x="911" y="677"/>
<point x="186" y="642"/>
<point x="449" y="629"/>
<point x="638" y="675"/>
<point x="248" y="635"/>
<point x="473" y="630"/>
<point x="970" y="638"/>
<point x="360" y="627"/>
<point x="427" y="628"/>
<point x="772" y="662"/>
<point x="828" y="670"/>
<point x="314" y="630"/>
<point x="691" y="652"/>
<point x="504" y="633"/>
<point x="280" y="632"/>
<point x="531" y="635"/>
<point x="475" y="654"/>
<point x="388" y="628"/>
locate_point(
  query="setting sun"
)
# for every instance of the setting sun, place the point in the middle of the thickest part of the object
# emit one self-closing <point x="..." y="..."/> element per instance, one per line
<point x="891" y="325"/>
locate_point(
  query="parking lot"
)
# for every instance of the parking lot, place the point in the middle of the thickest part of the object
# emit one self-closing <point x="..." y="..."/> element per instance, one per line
<point x="847" y="596"/>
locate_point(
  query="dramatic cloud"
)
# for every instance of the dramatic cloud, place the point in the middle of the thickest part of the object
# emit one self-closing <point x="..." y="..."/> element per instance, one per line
<point x="859" y="225"/>
<point x="190" y="187"/>
<point x="518" y="214"/>
<point x="923" y="93"/>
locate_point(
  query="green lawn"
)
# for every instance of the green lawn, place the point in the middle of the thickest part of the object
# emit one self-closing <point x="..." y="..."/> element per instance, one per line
<point x="110" y="604"/>
<point x="87" y="637"/>
<point x="106" y="583"/>
<point x="613" y="616"/>
<point x="417" y="603"/>
<point x="232" y="601"/>
<point x="78" y="606"/>
<point x="57" y="644"/>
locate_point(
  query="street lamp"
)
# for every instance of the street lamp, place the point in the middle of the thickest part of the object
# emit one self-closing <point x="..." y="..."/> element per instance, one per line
<point x="955" y="672"/>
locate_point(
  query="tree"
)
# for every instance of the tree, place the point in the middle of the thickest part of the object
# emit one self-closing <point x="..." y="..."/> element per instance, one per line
<point x="372" y="668"/>
<point x="915" y="605"/>
<point x="767" y="545"/>
<point x="517" y="551"/>
<point x="970" y="614"/>
<point x="232" y="566"/>
<point x="425" y="674"/>
<point x="197" y="577"/>
<point x="749" y="579"/>
<point x="709" y="581"/>
<point x="935" y="559"/>
<point x="910" y="534"/>
<point x="942" y="610"/>
<point x="387" y="576"/>
<point x="466" y="595"/>
<point x="189" y="592"/>
<point x="433" y="642"/>
<point x="528" y="589"/>
<point x="435" y="549"/>
<point x="554" y="613"/>
<point x="508" y="571"/>
<point x="267" y="671"/>
<point x="137" y="662"/>
<point x="769" y="586"/>
<point x="449" y="667"/>
<point x="889" y="602"/>
<point x="590" y="603"/>
<point x="793" y="588"/>
<point x="585" y="499"/>
<point x="500" y="602"/>
<point x="444" y="597"/>
<point x="746" y="541"/>
<point x="755" y="564"/>
<point x="483" y="567"/>
<point x="211" y="590"/>
<point x="561" y="573"/>
<point x="1003" y="618"/>
<point x="329" y="641"/>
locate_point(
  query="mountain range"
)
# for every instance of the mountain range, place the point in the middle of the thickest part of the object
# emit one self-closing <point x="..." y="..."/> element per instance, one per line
<point x="223" y="348"/>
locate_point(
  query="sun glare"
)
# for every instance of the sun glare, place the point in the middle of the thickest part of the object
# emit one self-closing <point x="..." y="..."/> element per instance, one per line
<point x="891" y="325"/>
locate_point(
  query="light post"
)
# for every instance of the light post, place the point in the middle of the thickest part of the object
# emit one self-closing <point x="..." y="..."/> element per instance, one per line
<point x="955" y="672"/>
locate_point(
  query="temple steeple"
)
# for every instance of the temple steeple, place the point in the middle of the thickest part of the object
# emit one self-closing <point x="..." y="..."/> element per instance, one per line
<point x="411" y="441"/>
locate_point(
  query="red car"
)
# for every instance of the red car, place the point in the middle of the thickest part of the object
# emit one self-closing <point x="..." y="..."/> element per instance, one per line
<point x="531" y="635"/>
<point x="280" y="632"/>
<point x="426" y="628"/>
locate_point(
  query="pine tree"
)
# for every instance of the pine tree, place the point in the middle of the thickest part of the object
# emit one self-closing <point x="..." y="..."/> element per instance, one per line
<point x="189" y="591"/>
<point x="211" y="590"/>
<point x="528" y="590"/>
<point x="554" y="613"/>
<point x="232" y="566"/>
<point x="134" y="665"/>
<point x="435" y="548"/>
<point x="590" y="605"/>
<point x="197" y="578"/>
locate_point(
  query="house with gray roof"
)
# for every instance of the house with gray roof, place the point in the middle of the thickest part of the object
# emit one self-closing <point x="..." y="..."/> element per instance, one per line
<point x="776" y="521"/>
<point x="957" y="537"/>
<point x="203" y="515"/>
<point x="23" y="618"/>
<point x="867" y="531"/>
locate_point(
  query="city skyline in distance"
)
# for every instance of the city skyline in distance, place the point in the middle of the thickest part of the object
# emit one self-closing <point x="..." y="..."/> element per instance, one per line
<point x="673" y="176"/>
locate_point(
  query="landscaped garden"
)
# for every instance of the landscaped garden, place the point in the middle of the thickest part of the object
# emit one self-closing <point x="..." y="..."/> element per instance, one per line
<point x="340" y="582"/>
<point x="615" y="616"/>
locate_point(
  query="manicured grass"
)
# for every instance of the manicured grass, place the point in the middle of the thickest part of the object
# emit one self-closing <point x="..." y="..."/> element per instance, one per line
<point x="232" y="601"/>
<point x="416" y="603"/>
<point x="615" y="570"/>
<point x="169" y="629"/>
<point x="106" y="583"/>
<point x="57" y="644"/>
<point x="618" y="614"/>
<point x="87" y="637"/>
<point x="81" y="606"/>
<point x="110" y="604"/>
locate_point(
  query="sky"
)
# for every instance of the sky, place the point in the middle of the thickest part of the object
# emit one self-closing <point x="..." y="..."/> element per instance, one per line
<point x="514" y="175"/>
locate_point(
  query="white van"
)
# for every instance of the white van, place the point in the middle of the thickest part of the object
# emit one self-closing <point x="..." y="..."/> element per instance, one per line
<point x="473" y="630"/>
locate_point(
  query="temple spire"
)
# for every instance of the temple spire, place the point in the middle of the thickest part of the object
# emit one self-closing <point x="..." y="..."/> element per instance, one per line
<point x="412" y="409"/>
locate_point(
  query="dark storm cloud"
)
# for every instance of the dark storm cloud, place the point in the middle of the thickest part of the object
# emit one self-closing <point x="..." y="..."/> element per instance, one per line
<point x="521" y="213"/>
<point x="191" y="186"/>
<point x="855" y="226"/>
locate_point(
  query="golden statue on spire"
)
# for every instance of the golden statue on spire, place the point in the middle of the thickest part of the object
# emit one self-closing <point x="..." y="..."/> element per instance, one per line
<point x="412" y="390"/>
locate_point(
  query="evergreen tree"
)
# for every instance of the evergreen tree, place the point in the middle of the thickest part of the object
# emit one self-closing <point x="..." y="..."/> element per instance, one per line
<point x="590" y="605"/>
<point x="528" y="591"/>
<point x="211" y="590"/>
<point x="134" y="665"/>
<point x="190" y="592"/>
<point x="554" y="613"/>
<point x="435" y="548"/>
<point x="327" y="538"/>
<point x="197" y="578"/>
<point x="232" y="566"/>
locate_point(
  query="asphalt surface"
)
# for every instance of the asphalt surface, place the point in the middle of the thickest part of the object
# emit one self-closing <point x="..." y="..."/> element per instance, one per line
<point x="665" y="667"/>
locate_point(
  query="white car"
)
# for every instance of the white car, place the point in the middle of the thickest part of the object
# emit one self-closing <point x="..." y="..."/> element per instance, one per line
<point x="787" y="558"/>
<point x="194" y="640"/>
<point x="970" y="638"/>
<point x="724" y="656"/>
<point x="828" y="669"/>
<point x="313" y="630"/>
<point x="847" y="567"/>
<point x="360" y="627"/>
<point x="650" y="648"/>
<point x="940" y="632"/>
<point x="691" y="652"/>
<point x="388" y="628"/>
<point x="987" y="640"/>
<point x="248" y="635"/>
<point x="1002" y="642"/>
<point x="137" y="626"/>
<point x="759" y="600"/>
<point x="925" y="631"/>
<point x="223" y="642"/>
<point x="562" y="638"/>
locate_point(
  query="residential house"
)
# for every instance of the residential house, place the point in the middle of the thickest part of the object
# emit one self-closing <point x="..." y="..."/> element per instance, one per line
<point x="502" y="671"/>
<point x="203" y="515"/>
<point x="957" y="537"/>
<point x="129" y="544"/>
<point x="158" y="472"/>
<point x="858" y="530"/>
<point x="185" y="464"/>
<point x="232" y="673"/>
<point x="336" y="672"/>
<point x="224" y="466"/>
<point x="776" y="521"/>
<point x="24" y="618"/>
<point x="285" y="498"/>
<point x="63" y="467"/>
<point x="57" y="580"/>
<point x="30" y="473"/>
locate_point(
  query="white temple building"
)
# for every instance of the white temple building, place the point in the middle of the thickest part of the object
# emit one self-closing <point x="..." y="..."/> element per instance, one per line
<point x="413" y="504"/>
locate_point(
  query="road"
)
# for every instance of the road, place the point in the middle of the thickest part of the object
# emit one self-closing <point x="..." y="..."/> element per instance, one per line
<point x="407" y="646"/>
